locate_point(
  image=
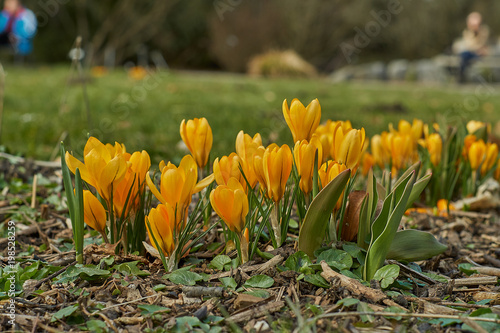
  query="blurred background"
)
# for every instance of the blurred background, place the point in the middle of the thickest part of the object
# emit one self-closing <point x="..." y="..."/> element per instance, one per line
<point x="226" y="34"/>
<point x="149" y="64"/>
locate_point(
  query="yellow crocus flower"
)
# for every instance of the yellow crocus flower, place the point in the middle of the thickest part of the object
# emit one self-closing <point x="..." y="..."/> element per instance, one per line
<point x="434" y="147"/>
<point x="231" y="204"/>
<point x="228" y="167"/>
<point x="301" y="120"/>
<point x="178" y="184"/>
<point x="94" y="213"/>
<point x="490" y="158"/>
<point x="197" y="135"/>
<point x="277" y="165"/>
<point x="246" y="148"/>
<point x="350" y="149"/>
<point x="304" y="153"/>
<point x="476" y="154"/>
<point x="100" y="169"/>
<point x="162" y="222"/>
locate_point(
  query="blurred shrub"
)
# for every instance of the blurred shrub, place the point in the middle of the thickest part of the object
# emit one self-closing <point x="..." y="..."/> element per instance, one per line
<point x="280" y="64"/>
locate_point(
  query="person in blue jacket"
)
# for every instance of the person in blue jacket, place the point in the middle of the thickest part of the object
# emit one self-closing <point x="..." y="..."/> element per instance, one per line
<point x="17" y="27"/>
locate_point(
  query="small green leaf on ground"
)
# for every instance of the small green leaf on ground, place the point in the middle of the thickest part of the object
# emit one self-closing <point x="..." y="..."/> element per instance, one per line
<point x="228" y="282"/>
<point x="386" y="275"/>
<point x="467" y="268"/>
<point x="259" y="281"/>
<point x="336" y="258"/>
<point x="130" y="268"/>
<point x="349" y="301"/>
<point x="149" y="309"/>
<point x="184" y="277"/>
<point x="219" y="261"/>
<point x="363" y="307"/>
<point x="96" y="326"/>
<point x="64" y="312"/>
<point x="317" y="280"/>
<point x="189" y="323"/>
<point x="298" y="262"/>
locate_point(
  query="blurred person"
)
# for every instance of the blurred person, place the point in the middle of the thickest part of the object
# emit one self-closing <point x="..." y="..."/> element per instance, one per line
<point x="473" y="43"/>
<point x="17" y="28"/>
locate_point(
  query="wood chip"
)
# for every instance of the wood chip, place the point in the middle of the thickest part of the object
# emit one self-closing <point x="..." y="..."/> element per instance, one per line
<point x="246" y="300"/>
<point x="255" y="312"/>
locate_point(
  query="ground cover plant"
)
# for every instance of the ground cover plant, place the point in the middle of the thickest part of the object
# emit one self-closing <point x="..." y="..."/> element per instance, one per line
<point x="314" y="233"/>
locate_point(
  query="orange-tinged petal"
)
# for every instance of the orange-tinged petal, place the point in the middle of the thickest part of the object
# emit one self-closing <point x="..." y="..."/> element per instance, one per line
<point x="93" y="212"/>
<point x="74" y="163"/>
<point x="154" y="190"/>
<point x="203" y="183"/>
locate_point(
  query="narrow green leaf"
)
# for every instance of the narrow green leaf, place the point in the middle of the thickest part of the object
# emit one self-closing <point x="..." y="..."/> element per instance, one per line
<point x="418" y="187"/>
<point x="414" y="245"/>
<point x="386" y="225"/>
<point x="79" y="219"/>
<point x="312" y="231"/>
<point x="68" y="186"/>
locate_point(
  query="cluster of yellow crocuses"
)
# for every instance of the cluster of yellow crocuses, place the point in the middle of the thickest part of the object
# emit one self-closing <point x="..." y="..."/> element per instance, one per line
<point x="118" y="178"/>
<point x="326" y="150"/>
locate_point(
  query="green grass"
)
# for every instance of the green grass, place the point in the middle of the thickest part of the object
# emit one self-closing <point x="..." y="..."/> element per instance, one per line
<point x="147" y="114"/>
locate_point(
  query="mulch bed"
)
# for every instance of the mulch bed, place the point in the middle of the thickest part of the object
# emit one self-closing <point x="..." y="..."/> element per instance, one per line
<point x="472" y="237"/>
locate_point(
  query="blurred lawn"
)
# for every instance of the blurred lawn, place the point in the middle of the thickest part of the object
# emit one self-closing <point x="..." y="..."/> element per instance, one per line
<point x="146" y="114"/>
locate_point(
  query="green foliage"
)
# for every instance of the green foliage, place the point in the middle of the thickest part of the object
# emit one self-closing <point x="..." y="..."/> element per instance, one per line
<point x="184" y="277"/>
<point x="75" y="204"/>
<point x="312" y="231"/>
<point x="386" y="275"/>
<point x="383" y="227"/>
<point x="259" y="281"/>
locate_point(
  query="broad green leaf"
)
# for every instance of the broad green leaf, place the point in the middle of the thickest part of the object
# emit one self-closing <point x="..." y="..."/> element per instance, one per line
<point x="219" y="261"/>
<point x="228" y="282"/>
<point x="386" y="225"/>
<point x="418" y="187"/>
<point x="130" y="268"/>
<point x="188" y="323"/>
<point x="414" y="245"/>
<point x="298" y="262"/>
<point x="312" y="231"/>
<point x="184" y="277"/>
<point x="259" y="281"/>
<point x="337" y="258"/>
<point x="386" y="275"/>
<point x="96" y="325"/>
<point x="317" y="280"/>
<point x="356" y="252"/>
<point x="149" y="309"/>
<point x="64" y="312"/>
<point x="89" y="272"/>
